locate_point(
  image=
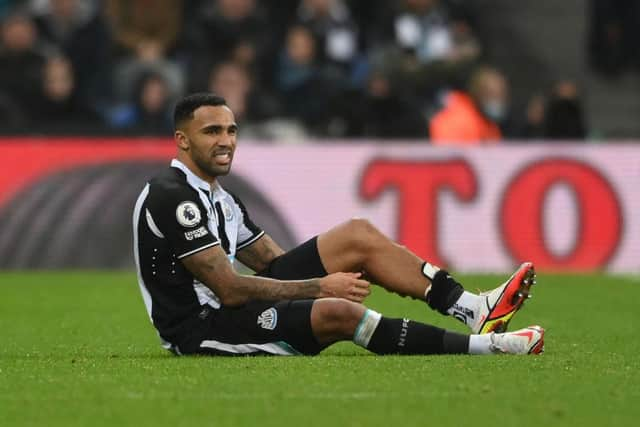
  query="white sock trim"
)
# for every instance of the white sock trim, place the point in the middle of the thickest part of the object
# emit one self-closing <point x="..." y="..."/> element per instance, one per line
<point x="467" y="308"/>
<point x="366" y="328"/>
<point x="480" y="344"/>
<point x="429" y="270"/>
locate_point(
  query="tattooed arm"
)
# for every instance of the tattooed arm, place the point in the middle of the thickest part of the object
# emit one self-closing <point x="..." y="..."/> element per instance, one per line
<point x="212" y="268"/>
<point x="258" y="255"/>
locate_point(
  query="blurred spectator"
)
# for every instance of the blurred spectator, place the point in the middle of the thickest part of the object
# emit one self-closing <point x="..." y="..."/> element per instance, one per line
<point x="148" y="58"/>
<point x="427" y="29"/>
<point x="59" y="108"/>
<point x="233" y="82"/>
<point x="558" y="116"/>
<point x="77" y="28"/>
<point x="424" y="48"/>
<point x="154" y="24"/>
<point x="473" y="117"/>
<point x="236" y="30"/>
<point x="614" y="35"/>
<point x="564" y="116"/>
<point x="147" y="45"/>
<point x="300" y="81"/>
<point x="533" y="127"/>
<point x="382" y="113"/>
<point x="336" y="33"/>
<point x="150" y="111"/>
<point x="21" y="61"/>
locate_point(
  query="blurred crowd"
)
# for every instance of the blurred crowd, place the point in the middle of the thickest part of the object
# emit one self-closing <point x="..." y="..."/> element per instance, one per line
<point x="410" y="69"/>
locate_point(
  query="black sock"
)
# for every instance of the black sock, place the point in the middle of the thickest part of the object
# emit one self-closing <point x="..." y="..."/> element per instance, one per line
<point x="404" y="336"/>
<point x="444" y="292"/>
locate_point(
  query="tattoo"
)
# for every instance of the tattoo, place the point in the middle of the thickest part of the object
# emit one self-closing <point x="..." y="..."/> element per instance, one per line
<point x="212" y="267"/>
<point x="206" y="263"/>
<point x="259" y="254"/>
<point x="275" y="290"/>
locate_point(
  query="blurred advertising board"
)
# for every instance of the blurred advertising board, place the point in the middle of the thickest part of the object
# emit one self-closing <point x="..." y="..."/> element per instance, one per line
<point x="66" y="203"/>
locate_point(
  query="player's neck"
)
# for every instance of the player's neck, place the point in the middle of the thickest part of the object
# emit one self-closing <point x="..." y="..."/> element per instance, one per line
<point x="211" y="180"/>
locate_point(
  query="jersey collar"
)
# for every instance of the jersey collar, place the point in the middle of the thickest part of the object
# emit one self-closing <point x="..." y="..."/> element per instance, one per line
<point x="193" y="179"/>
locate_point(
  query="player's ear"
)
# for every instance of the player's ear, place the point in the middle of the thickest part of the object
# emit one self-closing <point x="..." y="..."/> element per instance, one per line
<point x="181" y="140"/>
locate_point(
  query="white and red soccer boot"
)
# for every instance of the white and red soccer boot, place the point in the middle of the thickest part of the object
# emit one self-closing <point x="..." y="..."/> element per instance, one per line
<point x="499" y="305"/>
<point x="524" y="341"/>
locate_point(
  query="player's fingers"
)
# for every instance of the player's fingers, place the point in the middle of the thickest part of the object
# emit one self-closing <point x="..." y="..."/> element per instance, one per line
<point x="354" y="275"/>
<point x="356" y="298"/>
<point x="360" y="291"/>
<point x="359" y="294"/>
<point x="361" y="283"/>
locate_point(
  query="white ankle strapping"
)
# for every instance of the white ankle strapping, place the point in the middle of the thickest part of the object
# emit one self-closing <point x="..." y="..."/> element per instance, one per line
<point x="366" y="328"/>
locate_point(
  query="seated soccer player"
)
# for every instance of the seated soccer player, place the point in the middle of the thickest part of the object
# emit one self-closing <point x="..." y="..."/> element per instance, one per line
<point x="188" y="231"/>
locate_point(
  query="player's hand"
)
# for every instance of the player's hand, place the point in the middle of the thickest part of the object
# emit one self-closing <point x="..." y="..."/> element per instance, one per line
<point x="345" y="285"/>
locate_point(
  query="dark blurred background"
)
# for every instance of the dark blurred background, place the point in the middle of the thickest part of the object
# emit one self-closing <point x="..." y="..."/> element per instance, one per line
<point x="437" y="71"/>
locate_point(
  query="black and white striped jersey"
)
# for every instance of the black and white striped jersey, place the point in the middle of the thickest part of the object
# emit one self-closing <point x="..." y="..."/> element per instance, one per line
<point x="176" y="215"/>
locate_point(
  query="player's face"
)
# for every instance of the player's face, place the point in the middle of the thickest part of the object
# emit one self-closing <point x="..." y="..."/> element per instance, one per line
<point x="211" y="138"/>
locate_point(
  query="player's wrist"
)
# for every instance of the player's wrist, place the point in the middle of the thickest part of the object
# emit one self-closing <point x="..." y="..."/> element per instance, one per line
<point x="324" y="288"/>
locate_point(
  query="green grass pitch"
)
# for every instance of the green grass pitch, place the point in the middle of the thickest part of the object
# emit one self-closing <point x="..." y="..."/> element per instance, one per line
<point x="76" y="348"/>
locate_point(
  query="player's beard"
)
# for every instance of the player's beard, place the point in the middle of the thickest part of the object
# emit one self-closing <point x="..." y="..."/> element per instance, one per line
<point x="208" y="165"/>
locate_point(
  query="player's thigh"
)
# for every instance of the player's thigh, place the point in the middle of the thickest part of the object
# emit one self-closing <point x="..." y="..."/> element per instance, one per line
<point x="301" y="262"/>
<point x="257" y="328"/>
<point x="346" y="246"/>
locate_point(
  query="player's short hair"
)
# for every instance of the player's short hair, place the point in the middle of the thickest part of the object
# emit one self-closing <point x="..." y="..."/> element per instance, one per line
<point x="185" y="107"/>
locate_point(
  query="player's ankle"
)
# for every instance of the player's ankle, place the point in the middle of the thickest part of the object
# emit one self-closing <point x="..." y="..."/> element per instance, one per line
<point x="480" y="344"/>
<point x="466" y="309"/>
<point x="444" y="291"/>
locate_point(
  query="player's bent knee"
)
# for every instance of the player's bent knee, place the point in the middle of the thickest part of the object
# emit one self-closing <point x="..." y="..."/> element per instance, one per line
<point x="363" y="233"/>
<point x="334" y="319"/>
<point x="339" y="311"/>
<point x="361" y="226"/>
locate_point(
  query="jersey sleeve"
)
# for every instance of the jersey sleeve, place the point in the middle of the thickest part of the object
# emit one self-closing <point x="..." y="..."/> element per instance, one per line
<point x="180" y="217"/>
<point x="248" y="232"/>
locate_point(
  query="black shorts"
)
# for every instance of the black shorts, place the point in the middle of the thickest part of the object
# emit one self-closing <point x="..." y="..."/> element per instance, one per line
<point x="301" y="262"/>
<point x="264" y="327"/>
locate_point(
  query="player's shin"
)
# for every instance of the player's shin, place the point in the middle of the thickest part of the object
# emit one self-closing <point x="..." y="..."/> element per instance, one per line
<point x="382" y="335"/>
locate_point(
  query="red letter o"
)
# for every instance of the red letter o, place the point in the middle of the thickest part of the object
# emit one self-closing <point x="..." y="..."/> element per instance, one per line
<point x="600" y="219"/>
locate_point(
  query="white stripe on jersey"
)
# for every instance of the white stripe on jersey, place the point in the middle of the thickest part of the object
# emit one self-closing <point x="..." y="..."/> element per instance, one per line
<point x="201" y="248"/>
<point x="205" y="294"/>
<point x="273" y="348"/>
<point x="152" y="225"/>
<point x="250" y="241"/>
<point x="136" y="219"/>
